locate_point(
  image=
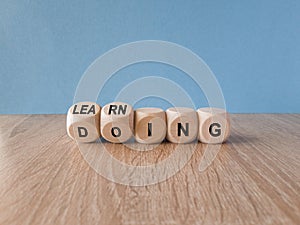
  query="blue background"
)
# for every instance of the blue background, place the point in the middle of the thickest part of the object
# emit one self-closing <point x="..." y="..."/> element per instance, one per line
<point x="253" y="48"/>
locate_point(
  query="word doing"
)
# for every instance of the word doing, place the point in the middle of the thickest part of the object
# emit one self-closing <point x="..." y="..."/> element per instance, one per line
<point x="117" y="122"/>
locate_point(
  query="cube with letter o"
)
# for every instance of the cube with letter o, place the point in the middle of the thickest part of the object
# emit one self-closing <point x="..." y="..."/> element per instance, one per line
<point x="117" y="122"/>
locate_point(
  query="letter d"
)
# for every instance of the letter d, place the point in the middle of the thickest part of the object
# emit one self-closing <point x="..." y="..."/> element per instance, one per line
<point x="82" y="132"/>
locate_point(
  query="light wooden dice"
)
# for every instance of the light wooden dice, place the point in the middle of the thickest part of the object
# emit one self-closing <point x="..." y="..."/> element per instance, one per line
<point x="117" y="122"/>
<point x="214" y="125"/>
<point x="83" y="121"/>
<point x="150" y="125"/>
<point x="182" y="125"/>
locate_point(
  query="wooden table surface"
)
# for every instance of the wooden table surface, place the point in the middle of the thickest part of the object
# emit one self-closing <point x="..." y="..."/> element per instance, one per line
<point x="254" y="179"/>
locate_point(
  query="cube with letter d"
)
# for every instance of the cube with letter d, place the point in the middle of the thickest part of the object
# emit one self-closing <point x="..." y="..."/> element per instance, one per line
<point x="83" y="121"/>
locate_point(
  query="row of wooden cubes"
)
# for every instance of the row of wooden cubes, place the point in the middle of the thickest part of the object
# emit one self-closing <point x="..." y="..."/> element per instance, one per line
<point x="117" y="122"/>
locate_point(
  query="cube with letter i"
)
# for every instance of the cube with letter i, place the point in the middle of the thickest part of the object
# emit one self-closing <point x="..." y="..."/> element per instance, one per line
<point x="150" y="125"/>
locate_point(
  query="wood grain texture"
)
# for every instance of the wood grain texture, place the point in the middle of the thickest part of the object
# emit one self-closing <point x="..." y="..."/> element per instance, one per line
<point x="255" y="178"/>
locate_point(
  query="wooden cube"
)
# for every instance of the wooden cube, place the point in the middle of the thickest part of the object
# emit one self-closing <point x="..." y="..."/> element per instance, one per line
<point x="214" y="125"/>
<point x="150" y="125"/>
<point x="182" y="125"/>
<point x="117" y="122"/>
<point x="83" y="121"/>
